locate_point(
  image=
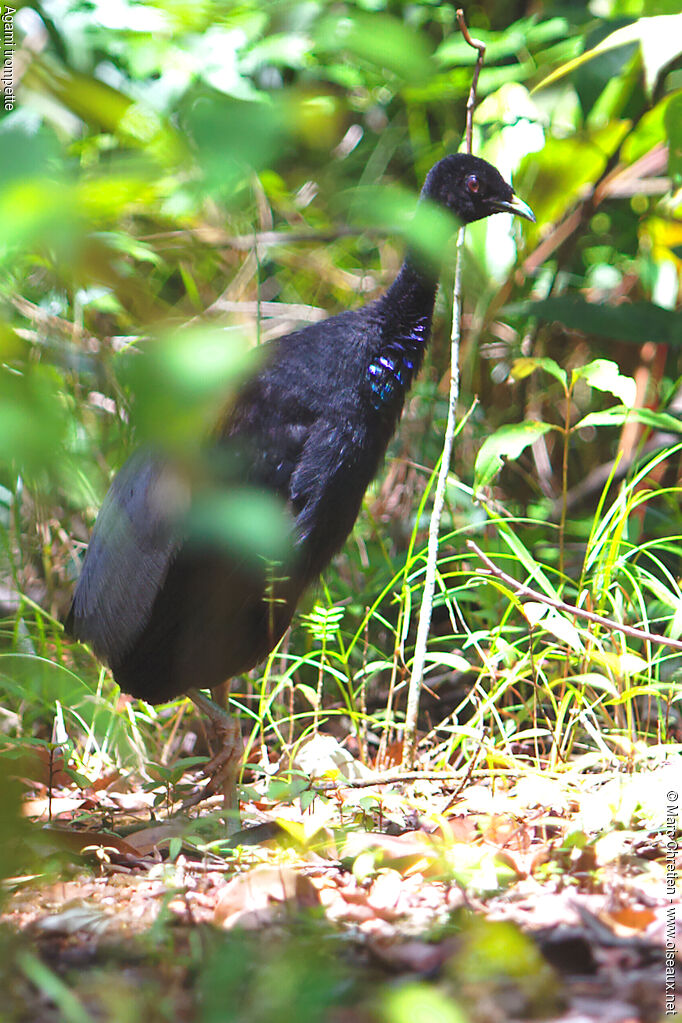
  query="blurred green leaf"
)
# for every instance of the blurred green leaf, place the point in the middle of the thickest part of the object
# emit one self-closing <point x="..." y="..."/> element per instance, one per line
<point x="100" y="105"/>
<point x="514" y="41"/>
<point x="182" y="381"/>
<point x="243" y="520"/>
<point x="33" y="418"/>
<point x="673" y="127"/>
<point x="379" y="39"/>
<point x="44" y="682"/>
<point x="634" y="321"/>
<point x="554" y="178"/>
<point x="233" y="138"/>
<point x="415" y="1001"/>
<point x="499" y="954"/>
<point x="424" y="226"/>
<point x="35" y="149"/>
<point x="15" y="855"/>
<point x="650" y="130"/>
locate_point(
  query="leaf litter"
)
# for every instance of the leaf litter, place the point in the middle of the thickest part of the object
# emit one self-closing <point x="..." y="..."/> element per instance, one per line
<point x="542" y="897"/>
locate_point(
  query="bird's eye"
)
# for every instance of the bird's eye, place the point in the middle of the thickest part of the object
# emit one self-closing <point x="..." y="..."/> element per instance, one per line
<point x="473" y="184"/>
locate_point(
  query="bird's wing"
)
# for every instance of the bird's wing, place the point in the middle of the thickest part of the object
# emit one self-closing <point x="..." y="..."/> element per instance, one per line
<point x="326" y="489"/>
<point x="135" y="539"/>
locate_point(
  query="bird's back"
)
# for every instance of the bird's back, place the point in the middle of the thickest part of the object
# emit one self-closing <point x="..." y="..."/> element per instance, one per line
<point x="169" y="612"/>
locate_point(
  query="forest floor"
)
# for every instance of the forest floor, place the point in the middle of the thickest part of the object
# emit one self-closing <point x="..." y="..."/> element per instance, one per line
<point x="551" y="896"/>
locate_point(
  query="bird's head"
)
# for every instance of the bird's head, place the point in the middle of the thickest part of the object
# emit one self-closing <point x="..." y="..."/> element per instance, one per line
<point x="471" y="188"/>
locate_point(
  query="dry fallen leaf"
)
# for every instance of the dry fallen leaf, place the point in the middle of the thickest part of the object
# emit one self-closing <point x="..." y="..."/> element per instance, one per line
<point x="263" y="889"/>
<point x="630" y="919"/>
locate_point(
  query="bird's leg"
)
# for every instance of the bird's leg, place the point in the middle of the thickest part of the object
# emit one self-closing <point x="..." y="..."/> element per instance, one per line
<point x="225" y="765"/>
<point x="230" y="757"/>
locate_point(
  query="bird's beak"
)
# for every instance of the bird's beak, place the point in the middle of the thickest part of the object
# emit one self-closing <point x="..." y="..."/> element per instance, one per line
<point x="516" y="206"/>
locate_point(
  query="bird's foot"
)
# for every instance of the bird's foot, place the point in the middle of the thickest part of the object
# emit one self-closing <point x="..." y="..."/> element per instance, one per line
<point x="223" y="769"/>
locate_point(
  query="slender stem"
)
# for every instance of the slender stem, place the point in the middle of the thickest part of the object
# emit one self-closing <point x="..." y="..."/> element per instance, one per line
<point x="414" y="692"/>
<point x="471" y="101"/>
<point x="564" y="480"/>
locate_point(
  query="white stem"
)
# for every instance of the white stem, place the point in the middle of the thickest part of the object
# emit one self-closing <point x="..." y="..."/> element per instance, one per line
<point x="409" y="746"/>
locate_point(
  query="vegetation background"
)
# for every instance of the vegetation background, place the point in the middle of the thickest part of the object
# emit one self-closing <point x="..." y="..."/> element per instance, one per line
<point x="181" y="181"/>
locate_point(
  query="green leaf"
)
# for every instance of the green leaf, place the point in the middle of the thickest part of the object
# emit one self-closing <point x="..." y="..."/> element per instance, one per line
<point x="659" y="38"/>
<point x="228" y="149"/>
<point x="594" y="680"/>
<point x="513" y="42"/>
<point x="673" y="127"/>
<point x="252" y="523"/>
<point x="448" y="659"/>
<point x="619" y="414"/>
<point x="424" y="226"/>
<point x="418" y="1000"/>
<point x="507" y="442"/>
<point x="557" y="176"/>
<point x="558" y="625"/>
<point x="379" y="39"/>
<point x="605" y="376"/>
<point x="636" y="322"/>
<point x="522" y="368"/>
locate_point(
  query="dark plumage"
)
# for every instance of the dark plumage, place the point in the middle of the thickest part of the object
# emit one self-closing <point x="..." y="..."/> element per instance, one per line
<point x="311" y="426"/>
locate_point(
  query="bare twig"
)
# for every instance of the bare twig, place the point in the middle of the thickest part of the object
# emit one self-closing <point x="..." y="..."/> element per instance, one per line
<point x="414" y="692"/>
<point x="394" y="777"/>
<point x="522" y="590"/>
<point x="471" y="101"/>
<point x="214" y="236"/>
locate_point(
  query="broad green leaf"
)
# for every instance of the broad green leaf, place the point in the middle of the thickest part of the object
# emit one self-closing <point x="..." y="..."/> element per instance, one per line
<point x="183" y="381"/>
<point x="227" y="147"/>
<point x="242" y="520"/>
<point x="556" y="176"/>
<point x="522" y="368"/>
<point x="605" y="376"/>
<point x="636" y="321"/>
<point x="659" y="38"/>
<point x="619" y="414"/>
<point x="649" y="131"/>
<point x="507" y="442"/>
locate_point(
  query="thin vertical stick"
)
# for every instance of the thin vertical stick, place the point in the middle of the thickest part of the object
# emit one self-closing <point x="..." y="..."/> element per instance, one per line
<point x="414" y="693"/>
<point x="471" y="101"/>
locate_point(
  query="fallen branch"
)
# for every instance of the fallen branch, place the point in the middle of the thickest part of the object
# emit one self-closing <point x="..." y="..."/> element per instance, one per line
<point x="578" y="612"/>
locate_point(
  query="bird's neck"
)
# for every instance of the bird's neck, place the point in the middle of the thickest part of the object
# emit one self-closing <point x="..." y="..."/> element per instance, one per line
<point x="413" y="292"/>
<point x="408" y="308"/>
<point x="406" y="312"/>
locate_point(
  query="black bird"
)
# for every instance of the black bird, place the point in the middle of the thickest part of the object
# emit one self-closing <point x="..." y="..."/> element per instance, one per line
<point x="171" y="613"/>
